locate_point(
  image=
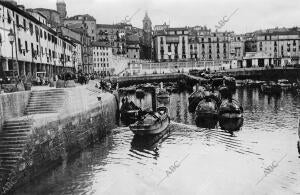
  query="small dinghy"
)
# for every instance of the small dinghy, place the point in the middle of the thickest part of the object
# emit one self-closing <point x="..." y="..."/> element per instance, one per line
<point x="152" y="123"/>
<point x="129" y="112"/>
<point x="231" y="115"/>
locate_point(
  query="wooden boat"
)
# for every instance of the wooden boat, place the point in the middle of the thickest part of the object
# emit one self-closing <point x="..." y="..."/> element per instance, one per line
<point x="271" y="88"/>
<point x="127" y="90"/>
<point x="163" y="94"/>
<point x="225" y="92"/>
<point x="207" y="113"/>
<point x="231" y="115"/>
<point x="129" y="112"/>
<point x="152" y="123"/>
<point x="148" y="87"/>
<point x="207" y="108"/>
<point x="140" y="94"/>
<point x="285" y="84"/>
<point x="195" y="98"/>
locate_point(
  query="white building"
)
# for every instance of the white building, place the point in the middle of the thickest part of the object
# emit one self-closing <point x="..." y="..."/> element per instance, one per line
<point x="35" y="46"/>
<point x="102" y="55"/>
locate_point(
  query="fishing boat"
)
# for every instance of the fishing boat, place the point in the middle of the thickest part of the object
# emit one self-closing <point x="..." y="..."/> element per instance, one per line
<point x="225" y="92"/>
<point x="129" y="112"/>
<point x="127" y="90"/>
<point x="195" y="98"/>
<point x="152" y="123"/>
<point x="163" y="94"/>
<point x="207" y="113"/>
<point x="285" y="84"/>
<point x="271" y="88"/>
<point x="148" y="87"/>
<point x="231" y="115"/>
<point x="140" y="94"/>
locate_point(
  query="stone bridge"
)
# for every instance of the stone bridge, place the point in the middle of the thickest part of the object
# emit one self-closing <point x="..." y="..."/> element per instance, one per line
<point x="140" y="79"/>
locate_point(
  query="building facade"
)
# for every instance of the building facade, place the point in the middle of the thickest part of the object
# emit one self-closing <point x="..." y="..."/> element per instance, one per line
<point x="35" y="46"/>
<point x="88" y="22"/>
<point x="171" y="44"/>
<point x="102" y="55"/>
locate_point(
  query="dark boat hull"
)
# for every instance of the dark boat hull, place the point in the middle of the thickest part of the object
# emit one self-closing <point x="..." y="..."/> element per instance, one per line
<point x="151" y="130"/>
<point x="153" y="123"/>
<point x="207" y="120"/>
<point x="231" y="124"/>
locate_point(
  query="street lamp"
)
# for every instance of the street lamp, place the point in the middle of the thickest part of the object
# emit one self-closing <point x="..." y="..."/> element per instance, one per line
<point x="11" y="37"/>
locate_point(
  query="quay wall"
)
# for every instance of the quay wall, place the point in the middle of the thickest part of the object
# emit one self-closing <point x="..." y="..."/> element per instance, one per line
<point x="87" y="116"/>
<point x="264" y="74"/>
<point x="13" y="105"/>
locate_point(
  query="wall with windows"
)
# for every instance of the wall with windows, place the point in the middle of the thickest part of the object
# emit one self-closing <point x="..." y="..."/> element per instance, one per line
<point x="102" y="59"/>
<point x="34" y="42"/>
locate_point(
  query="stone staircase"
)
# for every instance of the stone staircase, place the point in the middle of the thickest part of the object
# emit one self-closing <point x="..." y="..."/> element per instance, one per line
<point x="45" y="101"/>
<point x="12" y="141"/>
<point x="15" y="132"/>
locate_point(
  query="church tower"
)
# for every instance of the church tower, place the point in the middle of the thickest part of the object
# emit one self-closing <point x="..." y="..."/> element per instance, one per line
<point x="147" y="28"/>
<point x="147" y="33"/>
<point x="61" y="8"/>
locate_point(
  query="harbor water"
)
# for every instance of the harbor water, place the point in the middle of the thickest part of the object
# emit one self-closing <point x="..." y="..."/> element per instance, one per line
<point x="261" y="158"/>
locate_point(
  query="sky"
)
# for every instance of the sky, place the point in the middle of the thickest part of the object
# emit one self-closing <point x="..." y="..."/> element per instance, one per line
<point x="247" y="15"/>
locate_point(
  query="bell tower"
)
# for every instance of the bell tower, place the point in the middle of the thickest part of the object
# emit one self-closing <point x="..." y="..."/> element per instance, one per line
<point x="61" y="8"/>
<point x="147" y="28"/>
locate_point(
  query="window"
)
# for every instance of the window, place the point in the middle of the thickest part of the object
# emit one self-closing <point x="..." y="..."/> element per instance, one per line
<point x="41" y="33"/>
<point x="8" y="17"/>
<point x="17" y="20"/>
<point x="26" y="46"/>
<point x="24" y="24"/>
<point x="19" y="45"/>
<point x="31" y="28"/>
<point x="45" y="35"/>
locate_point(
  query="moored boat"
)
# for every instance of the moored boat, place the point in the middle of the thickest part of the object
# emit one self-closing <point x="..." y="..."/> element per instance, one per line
<point x="207" y="113"/>
<point x="140" y="94"/>
<point x="152" y="123"/>
<point x="148" y="87"/>
<point x="285" y="84"/>
<point x="128" y="90"/>
<point x="271" y="88"/>
<point x="163" y="94"/>
<point x="231" y="115"/>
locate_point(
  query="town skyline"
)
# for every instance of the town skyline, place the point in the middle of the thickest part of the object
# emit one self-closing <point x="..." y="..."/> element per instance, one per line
<point x="250" y="15"/>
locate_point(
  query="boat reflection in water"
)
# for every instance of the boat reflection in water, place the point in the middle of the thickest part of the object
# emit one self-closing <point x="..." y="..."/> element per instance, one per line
<point x="149" y="144"/>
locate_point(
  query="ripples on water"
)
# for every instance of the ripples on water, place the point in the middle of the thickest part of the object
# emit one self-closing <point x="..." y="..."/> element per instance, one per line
<point x="216" y="162"/>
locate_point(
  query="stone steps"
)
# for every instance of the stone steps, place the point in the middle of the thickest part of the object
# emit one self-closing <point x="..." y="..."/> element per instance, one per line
<point x="46" y="101"/>
<point x="40" y="112"/>
<point x="12" y="138"/>
<point x="17" y="126"/>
